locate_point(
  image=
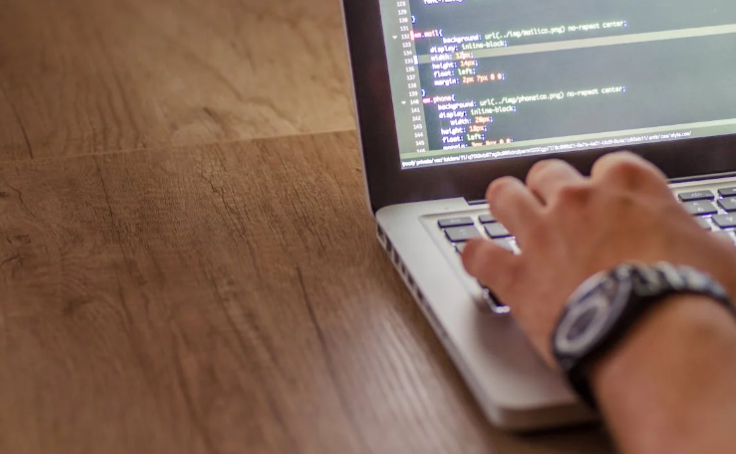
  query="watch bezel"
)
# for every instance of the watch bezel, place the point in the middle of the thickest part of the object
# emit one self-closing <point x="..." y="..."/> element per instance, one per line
<point x="596" y="330"/>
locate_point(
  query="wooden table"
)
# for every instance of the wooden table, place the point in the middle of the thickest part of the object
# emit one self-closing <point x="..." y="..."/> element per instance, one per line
<point x="187" y="264"/>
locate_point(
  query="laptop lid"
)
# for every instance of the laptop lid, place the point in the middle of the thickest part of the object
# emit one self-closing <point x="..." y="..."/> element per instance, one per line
<point x="453" y="93"/>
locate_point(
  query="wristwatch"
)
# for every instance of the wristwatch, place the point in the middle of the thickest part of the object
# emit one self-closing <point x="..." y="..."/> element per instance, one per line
<point x="603" y="309"/>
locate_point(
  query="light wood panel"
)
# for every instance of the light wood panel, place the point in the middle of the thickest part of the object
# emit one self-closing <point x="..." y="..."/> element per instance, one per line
<point x="219" y="299"/>
<point x="98" y="75"/>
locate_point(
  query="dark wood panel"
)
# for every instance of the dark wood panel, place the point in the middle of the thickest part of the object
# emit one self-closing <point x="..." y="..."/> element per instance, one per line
<point x="219" y="299"/>
<point x="13" y="144"/>
<point x="101" y="75"/>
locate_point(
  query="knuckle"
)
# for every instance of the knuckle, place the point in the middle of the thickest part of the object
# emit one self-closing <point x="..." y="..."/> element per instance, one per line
<point x="540" y="168"/>
<point x="630" y="171"/>
<point x="574" y="194"/>
<point x="499" y="188"/>
<point x="625" y="169"/>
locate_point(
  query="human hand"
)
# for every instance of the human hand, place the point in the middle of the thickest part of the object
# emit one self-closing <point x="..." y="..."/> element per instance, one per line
<point x="570" y="227"/>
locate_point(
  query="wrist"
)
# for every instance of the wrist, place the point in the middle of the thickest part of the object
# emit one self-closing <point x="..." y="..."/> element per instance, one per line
<point x="679" y="327"/>
<point x="604" y="310"/>
<point x="669" y="382"/>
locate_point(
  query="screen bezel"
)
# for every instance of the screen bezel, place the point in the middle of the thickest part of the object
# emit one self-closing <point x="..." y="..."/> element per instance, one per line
<point x="389" y="185"/>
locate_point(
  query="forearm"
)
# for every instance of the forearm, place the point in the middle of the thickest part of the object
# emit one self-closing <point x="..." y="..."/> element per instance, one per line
<point x="670" y="387"/>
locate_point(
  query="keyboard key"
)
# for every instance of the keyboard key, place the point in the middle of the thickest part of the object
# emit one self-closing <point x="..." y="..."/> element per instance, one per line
<point x="497" y="231"/>
<point x="701" y="208"/>
<point x="505" y="243"/>
<point x="728" y="204"/>
<point x="455" y="222"/>
<point x="697" y="195"/>
<point x="702" y="222"/>
<point x="487" y="219"/>
<point x="725" y="221"/>
<point x="727" y="192"/>
<point x="460" y="247"/>
<point x="462" y="234"/>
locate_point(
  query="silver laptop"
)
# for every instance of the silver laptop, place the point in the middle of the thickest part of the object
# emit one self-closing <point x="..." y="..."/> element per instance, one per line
<point x="451" y="94"/>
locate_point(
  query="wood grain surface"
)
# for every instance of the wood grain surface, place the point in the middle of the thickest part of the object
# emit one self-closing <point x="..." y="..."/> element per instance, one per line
<point x="220" y="299"/>
<point x="85" y="76"/>
<point x="13" y="142"/>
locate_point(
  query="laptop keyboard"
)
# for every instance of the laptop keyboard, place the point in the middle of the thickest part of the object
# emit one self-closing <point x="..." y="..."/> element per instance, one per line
<point x="713" y="212"/>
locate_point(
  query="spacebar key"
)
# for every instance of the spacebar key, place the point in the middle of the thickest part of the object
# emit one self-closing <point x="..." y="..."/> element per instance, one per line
<point x="725" y="221"/>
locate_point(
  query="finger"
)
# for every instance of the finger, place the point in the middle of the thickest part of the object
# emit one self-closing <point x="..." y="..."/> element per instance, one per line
<point x="494" y="266"/>
<point x="513" y="205"/>
<point x="546" y="178"/>
<point x="629" y="171"/>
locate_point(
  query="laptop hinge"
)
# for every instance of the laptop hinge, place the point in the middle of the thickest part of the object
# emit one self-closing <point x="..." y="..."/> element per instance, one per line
<point x="476" y="202"/>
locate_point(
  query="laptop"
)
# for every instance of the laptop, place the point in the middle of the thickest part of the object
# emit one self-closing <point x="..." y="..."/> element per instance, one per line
<point x="451" y="94"/>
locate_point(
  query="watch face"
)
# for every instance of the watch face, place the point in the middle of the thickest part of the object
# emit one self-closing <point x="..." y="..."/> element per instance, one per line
<point x="585" y="322"/>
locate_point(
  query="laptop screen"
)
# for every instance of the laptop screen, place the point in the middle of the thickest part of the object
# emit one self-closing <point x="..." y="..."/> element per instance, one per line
<point x="493" y="79"/>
